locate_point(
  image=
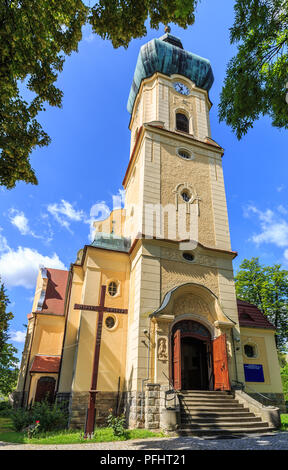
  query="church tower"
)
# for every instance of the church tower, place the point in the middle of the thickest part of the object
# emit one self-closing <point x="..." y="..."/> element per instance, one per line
<point x="148" y="309"/>
<point x="181" y="277"/>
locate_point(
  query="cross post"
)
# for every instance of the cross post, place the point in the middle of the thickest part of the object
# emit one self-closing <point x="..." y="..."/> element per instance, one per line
<point x="90" y="421"/>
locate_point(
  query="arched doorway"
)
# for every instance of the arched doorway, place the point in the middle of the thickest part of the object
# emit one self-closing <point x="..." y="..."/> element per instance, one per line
<point x="191" y="356"/>
<point x="45" y="389"/>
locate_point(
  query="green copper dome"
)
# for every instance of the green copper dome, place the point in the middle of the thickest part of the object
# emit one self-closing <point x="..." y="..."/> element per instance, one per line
<point x="166" y="55"/>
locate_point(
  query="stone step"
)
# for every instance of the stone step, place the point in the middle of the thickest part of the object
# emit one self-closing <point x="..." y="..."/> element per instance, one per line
<point x="216" y="414"/>
<point x="209" y="405"/>
<point x="225" y="432"/>
<point x="225" y="425"/>
<point x="219" y="419"/>
<point x="218" y="402"/>
<point x="206" y="397"/>
<point x="211" y="393"/>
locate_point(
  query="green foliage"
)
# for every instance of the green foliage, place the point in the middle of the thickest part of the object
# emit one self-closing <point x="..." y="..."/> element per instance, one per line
<point x="50" y="417"/>
<point x="117" y="423"/>
<point x="20" y="419"/>
<point x="256" y="77"/>
<point x="35" y="38"/>
<point x="5" y="409"/>
<point x="266" y="287"/>
<point x="33" y="430"/>
<point x="8" y="360"/>
<point x="284" y="377"/>
<point x="121" y="21"/>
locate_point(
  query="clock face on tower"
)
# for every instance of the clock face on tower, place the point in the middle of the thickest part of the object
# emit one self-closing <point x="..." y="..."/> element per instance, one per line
<point x="181" y="88"/>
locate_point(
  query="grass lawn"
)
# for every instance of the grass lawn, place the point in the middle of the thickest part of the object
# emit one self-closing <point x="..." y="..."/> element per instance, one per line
<point x="7" y="434"/>
<point x="284" y="422"/>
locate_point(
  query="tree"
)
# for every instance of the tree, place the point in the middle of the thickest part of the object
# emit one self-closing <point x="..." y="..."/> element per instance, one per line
<point x="257" y="78"/>
<point x="267" y="288"/>
<point x="284" y="378"/>
<point x="35" y="37"/>
<point x="8" y="360"/>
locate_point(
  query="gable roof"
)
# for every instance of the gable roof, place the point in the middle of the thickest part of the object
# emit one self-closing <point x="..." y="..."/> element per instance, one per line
<point x="43" y="363"/>
<point x="55" y="292"/>
<point x="250" y="316"/>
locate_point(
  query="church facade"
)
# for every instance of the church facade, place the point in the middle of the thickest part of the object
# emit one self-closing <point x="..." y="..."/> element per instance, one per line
<point x="150" y="305"/>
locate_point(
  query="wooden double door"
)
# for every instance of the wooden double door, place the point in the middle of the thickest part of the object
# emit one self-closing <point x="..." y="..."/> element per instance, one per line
<point x="198" y="363"/>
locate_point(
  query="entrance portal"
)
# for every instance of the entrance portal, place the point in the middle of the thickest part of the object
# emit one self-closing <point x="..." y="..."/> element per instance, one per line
<point x="198" y="363"/>
<point x="194" y="364"/>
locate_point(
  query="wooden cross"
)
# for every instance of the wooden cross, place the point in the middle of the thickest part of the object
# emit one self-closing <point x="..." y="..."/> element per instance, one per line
<point x="90" y="421"/>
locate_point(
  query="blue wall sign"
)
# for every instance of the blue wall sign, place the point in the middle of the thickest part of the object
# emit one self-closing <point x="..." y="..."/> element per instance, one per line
<point x="253" y="373"/>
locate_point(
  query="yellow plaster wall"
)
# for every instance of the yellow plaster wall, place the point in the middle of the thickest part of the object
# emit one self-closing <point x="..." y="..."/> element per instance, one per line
<point x="48" y="335"/>
<point x="25" y="355"/>
<point x="175" y="273"/>
<point x="72" y="325"/>
<point x="102" y="267"/>
<point x="267" y="356"/>
<point x="176" y="170"/>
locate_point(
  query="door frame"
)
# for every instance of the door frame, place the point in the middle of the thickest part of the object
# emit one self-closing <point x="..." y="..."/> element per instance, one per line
<point x="207" y="340"/>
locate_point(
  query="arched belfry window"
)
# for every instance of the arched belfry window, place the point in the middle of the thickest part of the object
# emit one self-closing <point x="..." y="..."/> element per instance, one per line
<point x="182" y="122"/>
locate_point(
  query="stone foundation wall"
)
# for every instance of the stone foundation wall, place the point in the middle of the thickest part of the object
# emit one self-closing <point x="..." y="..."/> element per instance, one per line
<point x="104" y="402"/>
<point x="134" y="409"/>
<point x="63" y="399"/>
<point x="152" y="406"/>
<point x="273" y="399"/>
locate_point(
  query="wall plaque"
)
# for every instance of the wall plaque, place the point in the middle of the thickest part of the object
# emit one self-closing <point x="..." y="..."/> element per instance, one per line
<point x="253" y="373"/>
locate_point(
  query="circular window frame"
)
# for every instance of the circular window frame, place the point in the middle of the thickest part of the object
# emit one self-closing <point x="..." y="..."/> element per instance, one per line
<point x="114" y="281"/>
<point x="188" y="192"/>
<point x="113" y="328"/>
<point x="255" y="348"/>
<point x="191" y="157"/>
<point x="187" y="260"/>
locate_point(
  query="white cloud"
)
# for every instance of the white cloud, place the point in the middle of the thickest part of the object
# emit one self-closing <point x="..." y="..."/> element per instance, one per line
<point x="3" y="242"/>
<point x="280" y="188"/>
<point x="20" y="267"/>
<point x="64" y="213"/>
<point x="19" y="220"/>
<point x="274" y="227"/>
<point x="18" y="336"/>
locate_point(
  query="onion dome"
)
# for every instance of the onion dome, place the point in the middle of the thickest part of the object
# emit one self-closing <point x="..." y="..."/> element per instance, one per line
<point x="167" y="56"/>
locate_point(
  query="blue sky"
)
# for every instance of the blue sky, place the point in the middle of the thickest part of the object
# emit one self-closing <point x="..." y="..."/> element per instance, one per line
<point x="86" y="161"/>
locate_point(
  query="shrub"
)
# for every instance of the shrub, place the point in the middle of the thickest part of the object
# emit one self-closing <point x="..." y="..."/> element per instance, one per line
<point x="117" y="423"/>
<point x="49" y="417"/>
<point x="32" y="430"/>
<point x="5" y="408"/>
<point x="20" y="419"/>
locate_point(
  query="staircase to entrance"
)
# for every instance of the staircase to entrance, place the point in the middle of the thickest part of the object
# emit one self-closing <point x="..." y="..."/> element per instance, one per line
<point x="217" y="413"/>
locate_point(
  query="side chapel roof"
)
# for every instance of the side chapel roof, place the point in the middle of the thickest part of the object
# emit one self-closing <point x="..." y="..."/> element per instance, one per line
<point x="251" y="317"/>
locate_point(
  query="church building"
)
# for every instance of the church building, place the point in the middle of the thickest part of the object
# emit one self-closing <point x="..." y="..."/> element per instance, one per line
<point x="149" y="309"/>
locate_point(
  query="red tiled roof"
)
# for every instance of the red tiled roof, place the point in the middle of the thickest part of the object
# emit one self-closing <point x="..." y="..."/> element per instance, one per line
<point x="55" y="292"/>
<point x="46" y="364"/>
<point x="251" y="316"/>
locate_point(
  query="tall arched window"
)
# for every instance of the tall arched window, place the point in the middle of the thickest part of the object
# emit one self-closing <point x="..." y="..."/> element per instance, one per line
<point x="182" y="122"/>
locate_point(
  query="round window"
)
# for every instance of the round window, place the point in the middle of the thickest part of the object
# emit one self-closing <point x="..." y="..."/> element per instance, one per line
<point x="250" y="350"/>
<point x="188" y="256"/>
<point x="186" y="195"/>
<point x="183" y="153"/>
<point x="110" y="322"/>
<point x="112" y="288"/>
